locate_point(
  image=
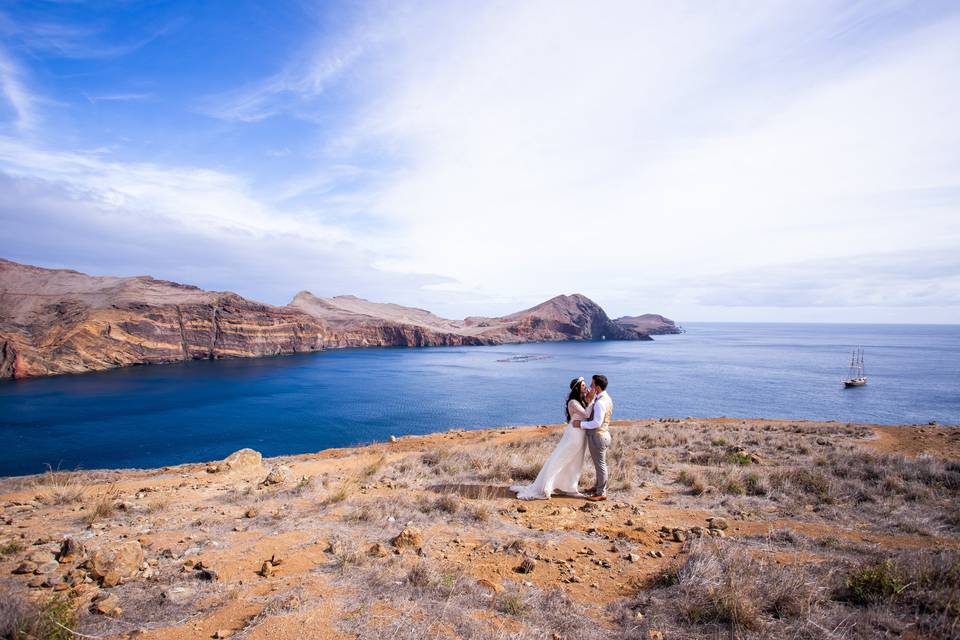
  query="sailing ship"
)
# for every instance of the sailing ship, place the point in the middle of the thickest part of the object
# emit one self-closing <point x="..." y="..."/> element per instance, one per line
<point x="857" y="376"/>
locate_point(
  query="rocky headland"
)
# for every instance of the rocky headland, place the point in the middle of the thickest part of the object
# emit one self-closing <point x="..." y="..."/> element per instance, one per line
<point x="715" y="528"/>
<point x="55" y="321"/>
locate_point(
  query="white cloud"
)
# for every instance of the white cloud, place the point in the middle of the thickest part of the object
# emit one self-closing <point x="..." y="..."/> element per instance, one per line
<point x="538" y="142"/>
<point x="697" y="160"/>
<point x="15" y="92"/>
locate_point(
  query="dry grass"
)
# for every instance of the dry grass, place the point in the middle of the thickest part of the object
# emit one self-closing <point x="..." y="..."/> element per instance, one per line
<point x="60" y="487"/>
<point x="104" y="507"/>
<point x="25" y="619"/>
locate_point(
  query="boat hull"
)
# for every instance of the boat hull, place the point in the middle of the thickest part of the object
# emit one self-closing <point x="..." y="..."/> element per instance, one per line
<point x="854" y="382"/>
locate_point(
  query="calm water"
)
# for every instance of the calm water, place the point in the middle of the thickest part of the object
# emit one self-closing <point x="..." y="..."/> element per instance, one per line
<point x="153" y="416"/>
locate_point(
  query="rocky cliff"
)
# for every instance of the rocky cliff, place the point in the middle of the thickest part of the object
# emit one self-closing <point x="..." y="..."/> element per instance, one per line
<point x="649" y="324"/>
<point x="56" y="321"/>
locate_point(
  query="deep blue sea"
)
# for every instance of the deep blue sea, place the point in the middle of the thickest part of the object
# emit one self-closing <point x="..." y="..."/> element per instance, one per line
<point x="158" y="415"/>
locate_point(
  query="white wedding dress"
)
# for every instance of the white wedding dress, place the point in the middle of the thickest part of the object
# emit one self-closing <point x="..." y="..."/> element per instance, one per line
<point x="561" y="472"/>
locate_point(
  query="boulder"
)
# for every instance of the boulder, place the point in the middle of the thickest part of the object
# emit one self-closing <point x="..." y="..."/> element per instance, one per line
<point x="40" y="557"/>
<point x="25" y="567"/>
<point x="278" y="475"/>
<point x="107" y="605"/>
<point x="718" y="523"/>
<point x="47" y="568"/>
<point x="178" y="595"/>
<point x="70" y="550"/>
<point x="527" y="565"/>
<point x="243" y="459"/>
<point x="114" y="563"/>
<point x="409" y="538"/>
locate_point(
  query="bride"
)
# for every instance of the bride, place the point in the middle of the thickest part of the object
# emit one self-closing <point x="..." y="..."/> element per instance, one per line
<point x="561" y="472"/>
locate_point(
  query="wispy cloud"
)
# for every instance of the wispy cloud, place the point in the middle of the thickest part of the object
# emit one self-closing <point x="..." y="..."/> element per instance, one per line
<point x="15" y="92"/>
<point x="289" y="90"/>
<point x="680" y="143"/>
<point x="116" y="97"/>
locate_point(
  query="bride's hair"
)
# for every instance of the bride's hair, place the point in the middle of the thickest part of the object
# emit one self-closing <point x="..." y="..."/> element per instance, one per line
<point x="578" y="392"/>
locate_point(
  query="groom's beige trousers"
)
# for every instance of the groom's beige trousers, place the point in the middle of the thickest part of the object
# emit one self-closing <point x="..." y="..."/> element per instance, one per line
<point x="599" y="442"/>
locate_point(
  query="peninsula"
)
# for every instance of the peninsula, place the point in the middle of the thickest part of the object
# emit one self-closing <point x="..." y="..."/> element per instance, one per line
<point x="55" y="321"/>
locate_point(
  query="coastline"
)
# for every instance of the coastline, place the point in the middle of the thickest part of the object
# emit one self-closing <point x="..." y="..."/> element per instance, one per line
<point x="328" y="522"/>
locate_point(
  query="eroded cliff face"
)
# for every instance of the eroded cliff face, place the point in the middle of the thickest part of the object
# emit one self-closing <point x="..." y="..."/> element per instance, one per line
<point x="60" y="321"/>
<point x="649" y="324"/>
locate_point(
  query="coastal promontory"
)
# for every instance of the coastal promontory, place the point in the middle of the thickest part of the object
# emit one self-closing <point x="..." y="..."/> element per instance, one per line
<point x="55" y="321"/>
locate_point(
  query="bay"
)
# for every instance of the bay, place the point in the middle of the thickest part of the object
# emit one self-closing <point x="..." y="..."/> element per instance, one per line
<point x="168" y="414"/>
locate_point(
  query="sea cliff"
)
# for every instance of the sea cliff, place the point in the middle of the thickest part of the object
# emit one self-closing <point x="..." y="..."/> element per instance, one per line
<point x="55" y="321"/>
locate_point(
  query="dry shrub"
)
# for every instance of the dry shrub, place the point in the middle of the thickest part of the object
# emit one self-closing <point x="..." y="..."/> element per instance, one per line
<point x="24" y="619"/>
<point x="62" y="487"/>
<point x="371" y="469"/>
<point x="346" y="553"/>
<point x="722" y="586"/>
<point x="447" y="503"/>
<point x="803" y="483"/>
<point x="340" y="494"/>
<point x="718" y="585"/>
<point x="104" y="507"/>
<point x="421" y="575"/>
<point x="10" y="547"/>
<point x="693" y="480"/>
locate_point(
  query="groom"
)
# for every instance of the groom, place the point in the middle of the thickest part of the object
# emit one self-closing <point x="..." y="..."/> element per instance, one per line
<point x="598" y="433"/>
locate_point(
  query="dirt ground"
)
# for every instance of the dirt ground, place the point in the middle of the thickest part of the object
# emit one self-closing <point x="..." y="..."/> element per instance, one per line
<point x="331" y="524"/>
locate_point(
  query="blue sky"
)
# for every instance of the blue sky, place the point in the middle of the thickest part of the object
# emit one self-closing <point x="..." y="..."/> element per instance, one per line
<point x="727" y="161"/>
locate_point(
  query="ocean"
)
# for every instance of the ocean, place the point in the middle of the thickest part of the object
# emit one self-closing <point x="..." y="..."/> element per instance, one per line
<point x="159" y="415"/>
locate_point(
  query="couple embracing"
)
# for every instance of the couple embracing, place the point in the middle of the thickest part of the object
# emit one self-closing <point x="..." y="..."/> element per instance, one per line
<point x="588" y="411"/>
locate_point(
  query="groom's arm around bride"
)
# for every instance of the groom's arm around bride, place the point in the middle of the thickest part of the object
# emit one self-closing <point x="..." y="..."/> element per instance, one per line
<point x="598" y="433"/>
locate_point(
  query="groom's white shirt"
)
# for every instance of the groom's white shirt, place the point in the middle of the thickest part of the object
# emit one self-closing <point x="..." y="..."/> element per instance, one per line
<point x="599" y="412"/>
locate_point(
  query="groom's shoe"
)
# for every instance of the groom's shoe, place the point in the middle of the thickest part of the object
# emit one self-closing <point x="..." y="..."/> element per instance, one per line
<point x="598" y="498"/>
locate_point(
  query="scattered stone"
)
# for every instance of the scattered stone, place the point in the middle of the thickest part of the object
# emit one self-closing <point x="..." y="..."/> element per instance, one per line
<point x="70" y="550"/>
<point x="409" y="538"/>
<point x="521" y="509"/>
<point x="114" y="563"/>
<point x="517" y="546"/>
<point x="25" y="567"/>
<point x="243" y="459"/>
<point x="377" y="550"/>
<point x="526" y="566"/>
<point x="250" y="513"/>
<point x="679" y="535"/>
<point x="213" y="468"/>
<point x="36" y="582"/>
<point x="106" y="605"/>
<point x="47" y="568"/>
<point x="718" y="523"/>
<point x="653" y="634"/>
<point x="697" y="531"/>
<point x="177" y="595"/>
<point x="280" y="474"/>
<point x="266" y="569"/>
<point x="40" y="557"/>
<point x="393" y="438"/>
<point x="223" y="633"/>
<point x="631" y="557"/>
<point x="205" y="573"/>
